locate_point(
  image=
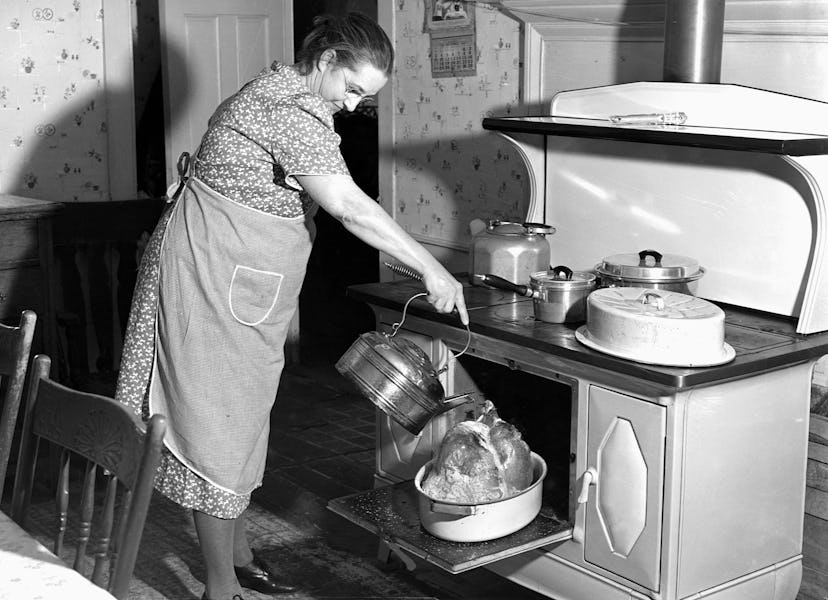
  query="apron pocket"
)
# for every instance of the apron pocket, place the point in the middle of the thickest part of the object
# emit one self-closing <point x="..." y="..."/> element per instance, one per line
<point x="253" y="294"/>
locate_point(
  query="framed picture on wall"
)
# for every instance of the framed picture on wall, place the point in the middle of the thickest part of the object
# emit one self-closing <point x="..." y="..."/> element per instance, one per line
<point x="453" y="17"/>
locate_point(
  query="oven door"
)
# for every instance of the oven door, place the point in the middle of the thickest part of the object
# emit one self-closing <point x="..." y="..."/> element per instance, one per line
<point x="542" y="407"/>
<point x="392" y="513"/>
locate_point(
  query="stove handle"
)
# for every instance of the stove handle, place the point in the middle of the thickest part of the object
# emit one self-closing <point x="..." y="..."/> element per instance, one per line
<point x="590" y="477"/>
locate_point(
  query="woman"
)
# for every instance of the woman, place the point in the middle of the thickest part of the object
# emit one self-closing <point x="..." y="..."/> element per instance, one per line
<point x="220" y="279"/>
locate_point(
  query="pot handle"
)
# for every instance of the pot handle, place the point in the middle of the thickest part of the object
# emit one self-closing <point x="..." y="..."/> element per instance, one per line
<point x="504" y="284"/>
<point x="642" y="257"/>
<point x="453" y="509"/>
<point x="455" y="401"/>
<point x="395" y="327"/>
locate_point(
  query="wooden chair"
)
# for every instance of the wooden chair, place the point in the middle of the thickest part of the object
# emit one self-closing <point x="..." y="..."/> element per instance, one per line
<point x="102" y="433"/>
<point x="15" y="346"/>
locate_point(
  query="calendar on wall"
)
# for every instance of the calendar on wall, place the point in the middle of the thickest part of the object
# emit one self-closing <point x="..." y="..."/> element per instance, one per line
<point x="453" y="56"/>
<point x="450" y="25"/>
<point x="446" y="170"/>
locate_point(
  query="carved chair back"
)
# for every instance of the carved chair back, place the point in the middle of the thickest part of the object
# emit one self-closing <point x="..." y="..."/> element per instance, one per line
<point x="111" y="488"/>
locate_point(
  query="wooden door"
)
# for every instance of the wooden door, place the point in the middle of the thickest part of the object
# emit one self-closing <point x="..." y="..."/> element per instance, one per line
<point x="209" y="49"/>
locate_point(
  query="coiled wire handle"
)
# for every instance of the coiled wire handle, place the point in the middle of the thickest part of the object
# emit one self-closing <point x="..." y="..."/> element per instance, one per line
<point x="396" y="327"/>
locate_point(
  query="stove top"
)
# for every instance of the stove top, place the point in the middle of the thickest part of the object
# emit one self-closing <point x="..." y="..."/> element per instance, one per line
<point x="762" y="341"/>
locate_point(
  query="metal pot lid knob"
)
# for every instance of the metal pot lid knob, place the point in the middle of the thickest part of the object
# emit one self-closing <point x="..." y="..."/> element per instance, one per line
<point x="653" y="299"/>
<point x="562" y="272"/>
<point x="642" y="257"/>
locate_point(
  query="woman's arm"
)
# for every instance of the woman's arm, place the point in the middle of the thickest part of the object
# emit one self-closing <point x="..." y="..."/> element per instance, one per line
<point x="366" y="219"/>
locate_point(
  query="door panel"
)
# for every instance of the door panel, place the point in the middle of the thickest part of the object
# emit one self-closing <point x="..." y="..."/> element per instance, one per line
<point x="625" y="446"/>
<point x="209" y="49"/>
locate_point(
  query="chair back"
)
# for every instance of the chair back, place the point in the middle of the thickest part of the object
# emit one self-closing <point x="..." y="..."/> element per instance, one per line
<point x="15" y="346"/>
<point x="110" y="489"/>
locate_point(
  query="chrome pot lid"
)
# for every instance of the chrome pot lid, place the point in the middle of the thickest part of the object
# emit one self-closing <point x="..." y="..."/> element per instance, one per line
<point x="650" y="265"/>
<point x="562" y="278"/>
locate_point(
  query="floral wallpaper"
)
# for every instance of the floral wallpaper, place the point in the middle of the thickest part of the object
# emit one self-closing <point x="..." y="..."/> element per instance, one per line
<point x="448" y="169"/>
<point x="52" y="111"/>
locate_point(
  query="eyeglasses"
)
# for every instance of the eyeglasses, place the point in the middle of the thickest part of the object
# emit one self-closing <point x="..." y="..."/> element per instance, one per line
<point x="354" y="92"/>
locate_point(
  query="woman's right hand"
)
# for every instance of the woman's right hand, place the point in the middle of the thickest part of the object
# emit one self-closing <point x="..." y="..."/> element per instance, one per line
<point x="445" y="293"/>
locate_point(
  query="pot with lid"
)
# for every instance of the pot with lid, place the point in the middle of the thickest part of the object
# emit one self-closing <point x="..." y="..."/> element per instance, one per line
<point x="650" y="269"/>
<point x="398" y="377"/>
<point x="509" y="250"/>
<point x="558" y="295"/>
<point x="656" y="327"/>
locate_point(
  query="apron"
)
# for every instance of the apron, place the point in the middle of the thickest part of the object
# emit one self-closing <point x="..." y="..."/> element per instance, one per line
<point x="229" y="282"/>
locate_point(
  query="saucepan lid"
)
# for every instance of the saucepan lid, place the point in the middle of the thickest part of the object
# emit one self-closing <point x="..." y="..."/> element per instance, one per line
<point x="562" y="278"/>
<point x="650" y="265"/>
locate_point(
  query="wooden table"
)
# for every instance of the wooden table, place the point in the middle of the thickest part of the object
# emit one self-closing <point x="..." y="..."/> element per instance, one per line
<point x="29" y="570"/>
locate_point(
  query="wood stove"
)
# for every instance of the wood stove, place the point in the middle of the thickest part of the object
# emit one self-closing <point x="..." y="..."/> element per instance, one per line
<point x="671" y="483"/>
<point x="680" y="483"/>
<point x="663" y="482"/>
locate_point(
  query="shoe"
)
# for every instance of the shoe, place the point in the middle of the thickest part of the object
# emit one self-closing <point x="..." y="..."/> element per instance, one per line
<point x="257" y="576"/>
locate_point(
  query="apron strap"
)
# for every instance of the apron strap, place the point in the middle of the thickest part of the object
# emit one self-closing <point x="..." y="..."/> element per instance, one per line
<point x="183" y="166"/>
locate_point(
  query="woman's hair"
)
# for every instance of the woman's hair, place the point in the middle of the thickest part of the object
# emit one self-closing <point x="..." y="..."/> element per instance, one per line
<point x="356" y="39"/>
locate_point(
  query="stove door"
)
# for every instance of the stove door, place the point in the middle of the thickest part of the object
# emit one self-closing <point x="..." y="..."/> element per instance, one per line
<point x="625" y="450"/>
<point x="392" y="513"/>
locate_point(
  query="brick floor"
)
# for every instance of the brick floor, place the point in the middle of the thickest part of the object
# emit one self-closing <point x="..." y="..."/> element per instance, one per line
<point x="322" y="447"/>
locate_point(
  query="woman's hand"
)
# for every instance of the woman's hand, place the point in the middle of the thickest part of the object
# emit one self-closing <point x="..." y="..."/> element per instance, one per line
<point x="445" y="293"/>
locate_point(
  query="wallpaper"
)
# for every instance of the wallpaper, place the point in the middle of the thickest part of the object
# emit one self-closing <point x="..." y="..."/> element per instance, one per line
<point x="448" y="169"/>
<point x="52" y="111"/>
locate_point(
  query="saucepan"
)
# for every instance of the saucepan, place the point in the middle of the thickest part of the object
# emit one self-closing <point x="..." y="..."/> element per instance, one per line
<point x="398" y="377"/>
<point x="558" y="295"/>
<point x="650" y="269"/>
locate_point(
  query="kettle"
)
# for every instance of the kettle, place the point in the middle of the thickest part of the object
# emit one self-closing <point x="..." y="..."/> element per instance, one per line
<point x="398" y="377"/>
<point x="509" y="250"/>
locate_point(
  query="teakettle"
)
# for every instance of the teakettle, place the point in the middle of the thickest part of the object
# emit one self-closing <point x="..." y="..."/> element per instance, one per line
<point x="509" y="250"/>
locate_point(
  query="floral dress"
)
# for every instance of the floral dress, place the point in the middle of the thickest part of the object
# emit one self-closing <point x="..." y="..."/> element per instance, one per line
<point x="257" y="140"/>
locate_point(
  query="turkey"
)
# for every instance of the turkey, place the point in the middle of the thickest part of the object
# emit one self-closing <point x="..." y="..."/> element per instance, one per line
<point x="480" y="461"/>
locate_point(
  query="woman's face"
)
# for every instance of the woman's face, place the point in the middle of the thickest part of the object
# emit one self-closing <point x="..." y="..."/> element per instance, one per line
<point x="344" y="87"/>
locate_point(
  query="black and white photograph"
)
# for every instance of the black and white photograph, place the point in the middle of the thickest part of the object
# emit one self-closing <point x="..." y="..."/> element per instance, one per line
<point x="414" y="300"/>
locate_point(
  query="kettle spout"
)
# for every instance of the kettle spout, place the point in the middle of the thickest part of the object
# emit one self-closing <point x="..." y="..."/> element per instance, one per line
<point x="476" y="226"/>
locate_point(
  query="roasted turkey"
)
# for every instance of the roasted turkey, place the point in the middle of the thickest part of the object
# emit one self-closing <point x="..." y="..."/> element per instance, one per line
<point x="480" y="461"/>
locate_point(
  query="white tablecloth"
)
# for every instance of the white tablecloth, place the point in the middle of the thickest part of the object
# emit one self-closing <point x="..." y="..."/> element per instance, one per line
<point x="29" y="571"/>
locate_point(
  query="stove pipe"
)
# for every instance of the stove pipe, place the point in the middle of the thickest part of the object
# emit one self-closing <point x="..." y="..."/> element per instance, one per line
<point x="693" y="32"/>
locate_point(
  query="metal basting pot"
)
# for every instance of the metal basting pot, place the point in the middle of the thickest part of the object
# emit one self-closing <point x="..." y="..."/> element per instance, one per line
<point x="398" y="377"/>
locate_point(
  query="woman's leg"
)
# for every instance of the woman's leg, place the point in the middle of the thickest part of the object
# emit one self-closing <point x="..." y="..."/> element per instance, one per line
<point x="251" y="571"/>
<point x="216" y="538"/>
<point x="242" y="555"/>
